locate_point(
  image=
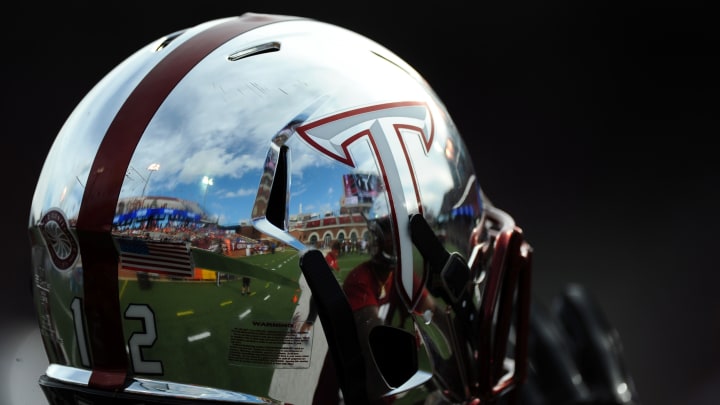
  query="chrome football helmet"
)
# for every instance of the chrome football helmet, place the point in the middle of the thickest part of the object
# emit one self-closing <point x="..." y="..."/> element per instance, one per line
<point x="180" y="221"/>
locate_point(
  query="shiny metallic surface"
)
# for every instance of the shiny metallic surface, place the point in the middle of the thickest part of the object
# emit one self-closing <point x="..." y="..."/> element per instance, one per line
<point x="353" y="128"/>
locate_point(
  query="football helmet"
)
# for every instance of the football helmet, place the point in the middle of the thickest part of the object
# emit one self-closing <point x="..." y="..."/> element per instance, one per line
<point x="179" y="225"/>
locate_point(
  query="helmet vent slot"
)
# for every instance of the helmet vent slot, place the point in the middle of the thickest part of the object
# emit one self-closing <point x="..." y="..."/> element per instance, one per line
<point x="167" y="40"/>
<point x="255" y="50"/>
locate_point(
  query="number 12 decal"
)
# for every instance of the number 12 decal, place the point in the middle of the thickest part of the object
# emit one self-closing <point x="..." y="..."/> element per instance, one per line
<point x="146" y="338"/>
<point x="137" y="341"/>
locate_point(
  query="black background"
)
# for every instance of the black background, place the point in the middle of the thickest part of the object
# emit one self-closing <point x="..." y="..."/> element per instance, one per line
<point x="593" y="125"/>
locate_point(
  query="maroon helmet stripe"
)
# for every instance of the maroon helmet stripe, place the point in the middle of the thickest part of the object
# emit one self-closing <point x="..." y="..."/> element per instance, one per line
<point x="94" y="224"/>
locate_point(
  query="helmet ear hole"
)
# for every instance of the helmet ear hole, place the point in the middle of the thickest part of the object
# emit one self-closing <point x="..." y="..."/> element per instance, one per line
<point x="394" y="353"/>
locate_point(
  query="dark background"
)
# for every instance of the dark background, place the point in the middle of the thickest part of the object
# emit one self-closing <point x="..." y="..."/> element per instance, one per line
<point x="591" y="124"/>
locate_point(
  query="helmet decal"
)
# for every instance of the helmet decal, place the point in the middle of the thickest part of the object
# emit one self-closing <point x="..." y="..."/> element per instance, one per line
<point x="61" y="243"/>
<point x="383" y="126"/>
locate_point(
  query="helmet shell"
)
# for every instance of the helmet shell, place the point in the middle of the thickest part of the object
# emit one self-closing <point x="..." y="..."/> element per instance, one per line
<point x="223" y="152"/>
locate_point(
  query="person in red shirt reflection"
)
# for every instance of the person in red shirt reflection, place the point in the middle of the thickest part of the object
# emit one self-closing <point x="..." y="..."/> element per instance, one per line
<point x="332" y="256"/>
<point x="373" y="298"/>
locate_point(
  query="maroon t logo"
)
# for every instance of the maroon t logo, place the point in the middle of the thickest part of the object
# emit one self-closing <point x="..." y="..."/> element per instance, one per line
<point x="387" y="129"/>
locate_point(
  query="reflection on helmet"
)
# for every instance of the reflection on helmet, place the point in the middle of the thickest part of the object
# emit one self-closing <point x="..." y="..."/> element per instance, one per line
<point x="175" y="223"/>
<point x="379" y="226"/>
<point x="381" y="246"/>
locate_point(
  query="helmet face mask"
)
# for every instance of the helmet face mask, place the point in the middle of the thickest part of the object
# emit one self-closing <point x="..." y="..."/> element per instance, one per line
<point x="228" y="151"/>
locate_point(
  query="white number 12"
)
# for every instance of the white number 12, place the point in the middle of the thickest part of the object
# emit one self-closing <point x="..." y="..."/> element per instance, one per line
<point x="137" y="341"/>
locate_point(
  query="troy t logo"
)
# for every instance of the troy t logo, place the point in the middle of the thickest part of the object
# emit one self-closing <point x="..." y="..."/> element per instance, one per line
<point x="386" y="128"/>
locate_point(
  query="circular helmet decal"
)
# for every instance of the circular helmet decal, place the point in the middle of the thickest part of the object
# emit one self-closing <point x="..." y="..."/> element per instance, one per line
<point x="61" y="243"/>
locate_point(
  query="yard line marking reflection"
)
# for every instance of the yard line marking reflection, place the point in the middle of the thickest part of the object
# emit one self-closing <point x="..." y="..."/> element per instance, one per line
<point x="267" y="297"/>
<point x="122" y="290"/>
<point x="185" y="313"/>
<point x="222" y="304"/>
<point x="199" y="336"/>
<point x="244" y="314"/>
